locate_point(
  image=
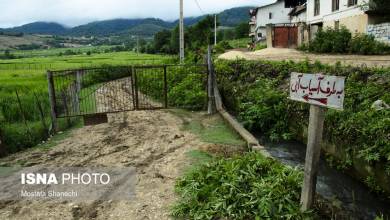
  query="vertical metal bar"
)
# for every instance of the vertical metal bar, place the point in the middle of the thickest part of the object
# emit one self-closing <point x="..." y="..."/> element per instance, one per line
<point x="136" y="89"/>
<point x="165" y="87"/>
<point x="78" y="90"/>
<point x="41" y="111"/>
<point x="52" y="99"/>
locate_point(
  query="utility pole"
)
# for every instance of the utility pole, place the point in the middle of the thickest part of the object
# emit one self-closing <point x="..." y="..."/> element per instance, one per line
<point x="215" y="29"/>
<point x="181" y="27"/>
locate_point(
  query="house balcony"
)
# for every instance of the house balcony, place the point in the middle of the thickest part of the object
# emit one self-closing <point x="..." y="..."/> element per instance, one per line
<point x="377" y="7"/>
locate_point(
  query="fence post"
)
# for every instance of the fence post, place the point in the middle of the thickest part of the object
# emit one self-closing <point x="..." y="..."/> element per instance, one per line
<point x="210" y="84"/>
<point x="52" y="99"/>
<point x="40" y="108"/>
<point x="78" y="90"/>
<point x="165" y="88"/>
<point x="135" y="89"/>
<point x="2" y="145"/>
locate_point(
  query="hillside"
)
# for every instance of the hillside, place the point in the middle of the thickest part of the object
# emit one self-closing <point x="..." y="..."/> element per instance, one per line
<point x="39" y="28"/>
<point x="116" y="26"/>
<point x="142" y="26"/>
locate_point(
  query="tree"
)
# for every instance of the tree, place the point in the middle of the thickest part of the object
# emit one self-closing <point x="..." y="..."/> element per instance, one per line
<point x="242" y="30"/>
<point x="175" y="36"/>
<point x="161" y="41"/>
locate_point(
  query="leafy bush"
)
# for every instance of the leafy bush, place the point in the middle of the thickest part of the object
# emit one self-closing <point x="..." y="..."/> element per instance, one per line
<point x="189" y="93"/>
<point x="243" y="187"/>
<point x="367" y="45"/>
<point x="341" y="41"/>
<point x="264" y="109"/>
<point x="222" y="46"/>
<point x="331" y="41"/>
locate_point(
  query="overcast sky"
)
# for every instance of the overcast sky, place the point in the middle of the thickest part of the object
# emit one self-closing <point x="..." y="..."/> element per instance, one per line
<point x="76" y="12"/>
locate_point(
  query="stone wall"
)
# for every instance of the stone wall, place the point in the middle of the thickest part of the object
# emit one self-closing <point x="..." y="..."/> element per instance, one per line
<point x="380" y="31"/>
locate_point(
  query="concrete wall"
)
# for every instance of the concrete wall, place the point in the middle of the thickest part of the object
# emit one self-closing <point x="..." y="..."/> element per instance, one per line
<point x="269" y="36"/>
<point x="380" y="31"/>
<point x="355" y="24"/>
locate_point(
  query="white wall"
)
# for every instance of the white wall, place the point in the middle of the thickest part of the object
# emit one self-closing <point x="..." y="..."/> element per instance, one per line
<point x="326" y="13"/>
<point x="279" y="14"/>
<point x="301" y="18"/>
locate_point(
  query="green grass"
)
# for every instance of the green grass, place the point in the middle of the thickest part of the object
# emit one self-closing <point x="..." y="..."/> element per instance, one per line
<point x="28" y="76"/>
<point x="210" y="129"/>
<point x="240" y="43"/>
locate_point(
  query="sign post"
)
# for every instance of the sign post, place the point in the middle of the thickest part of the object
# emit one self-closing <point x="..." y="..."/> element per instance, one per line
<point x="321" y="92"/>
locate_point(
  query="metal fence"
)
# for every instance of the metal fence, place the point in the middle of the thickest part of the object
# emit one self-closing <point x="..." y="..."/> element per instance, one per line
<point x="116" y="89"/>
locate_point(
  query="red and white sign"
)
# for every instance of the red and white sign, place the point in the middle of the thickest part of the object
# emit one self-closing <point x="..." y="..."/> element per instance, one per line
<point x="318" y="89"/>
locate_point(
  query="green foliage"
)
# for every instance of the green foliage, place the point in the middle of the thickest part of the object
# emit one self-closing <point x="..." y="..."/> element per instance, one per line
<point x="188" y="93"/>
<point x="367" y="45"/>
<point x="341" y="41"/>
<point x="242" y="30"/>
<point x="258" y="93"/>
<point x="331" y="41"/>
<point x="222" y="46"/>
<point x="264" y="109"/>
<point x="243" y="187"/>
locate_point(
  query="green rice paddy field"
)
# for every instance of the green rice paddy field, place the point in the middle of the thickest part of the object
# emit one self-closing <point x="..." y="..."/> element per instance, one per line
<point x="23" y="90"/>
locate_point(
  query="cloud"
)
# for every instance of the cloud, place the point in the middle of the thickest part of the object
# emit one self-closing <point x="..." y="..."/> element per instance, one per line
<point x="76" y="12"/>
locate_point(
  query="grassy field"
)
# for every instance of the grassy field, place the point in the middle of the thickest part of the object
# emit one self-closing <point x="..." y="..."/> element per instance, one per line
<point x="24" y="107"/>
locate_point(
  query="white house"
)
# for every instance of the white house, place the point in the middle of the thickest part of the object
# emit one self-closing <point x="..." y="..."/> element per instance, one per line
<point x="292" y="22"/>
<point x="355" y="15"/>
<point x="276" y="13"/>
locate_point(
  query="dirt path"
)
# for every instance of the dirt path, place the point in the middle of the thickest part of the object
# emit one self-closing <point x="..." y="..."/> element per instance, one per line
<point x="153" y="142"/>
<point x="280" y="54"/>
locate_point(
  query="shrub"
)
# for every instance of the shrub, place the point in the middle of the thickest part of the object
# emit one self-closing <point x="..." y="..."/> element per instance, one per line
<point x="222" y="46"/>
<point x="367" y="45"/>
<point x="331" y="41"/>
<point x="243" y="187"/>
<point x="341" y="41"/>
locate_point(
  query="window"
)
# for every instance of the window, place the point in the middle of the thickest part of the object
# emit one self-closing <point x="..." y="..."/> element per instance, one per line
<point x="270" y="15"/>
<point x="352" y="2"/>
<point x="335" y="5"/>
<point x="316" y="7"/>
<point x="260" y="35"/>
<point x="336" y="25"/>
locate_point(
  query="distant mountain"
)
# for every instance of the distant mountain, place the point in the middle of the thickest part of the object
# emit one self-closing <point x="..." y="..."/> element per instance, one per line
<point x="143" y="27"/>
<point x="39" y="28"/>
<point x="115" y="26"/>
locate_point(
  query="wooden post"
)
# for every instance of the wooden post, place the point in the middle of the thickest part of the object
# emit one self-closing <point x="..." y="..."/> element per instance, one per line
<point x="313" y="151"/>
<point x="210" y="84"/>
<point x="52" y="99"/>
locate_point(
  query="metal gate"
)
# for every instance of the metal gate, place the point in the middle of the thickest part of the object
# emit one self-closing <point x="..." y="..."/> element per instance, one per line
<point x="96" y="92"/>
<point x="285" y="36"/>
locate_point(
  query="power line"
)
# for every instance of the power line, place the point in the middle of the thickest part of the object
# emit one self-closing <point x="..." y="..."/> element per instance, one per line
<point x="200" y="8"/>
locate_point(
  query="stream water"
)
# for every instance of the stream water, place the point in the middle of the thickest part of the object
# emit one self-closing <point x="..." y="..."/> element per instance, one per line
<point x="332" y="184"/>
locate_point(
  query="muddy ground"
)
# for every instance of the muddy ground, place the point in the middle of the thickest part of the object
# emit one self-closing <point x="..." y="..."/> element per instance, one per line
<point x="152" y="141"/>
